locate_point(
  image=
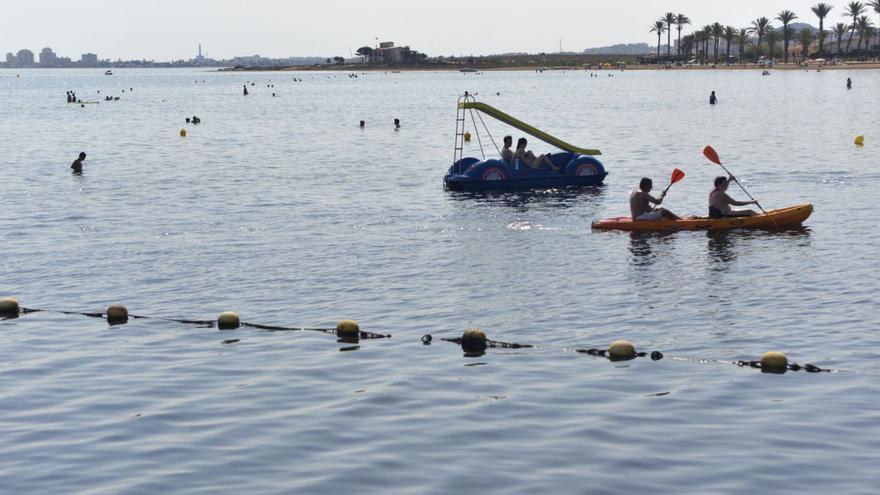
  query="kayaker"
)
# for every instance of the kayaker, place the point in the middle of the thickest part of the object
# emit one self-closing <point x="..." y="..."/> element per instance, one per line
<point x="640" y="202"/>
<point x="530" y="159"/>
<point x="506" y="152"/>
<point x="720" y="202"/>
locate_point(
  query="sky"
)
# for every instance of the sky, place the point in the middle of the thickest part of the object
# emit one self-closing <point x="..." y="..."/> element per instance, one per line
<point x="172" y="29"/>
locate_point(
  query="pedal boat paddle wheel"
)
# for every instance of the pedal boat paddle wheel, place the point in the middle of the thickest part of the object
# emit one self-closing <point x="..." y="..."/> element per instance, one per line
<point x="577" y="166"/>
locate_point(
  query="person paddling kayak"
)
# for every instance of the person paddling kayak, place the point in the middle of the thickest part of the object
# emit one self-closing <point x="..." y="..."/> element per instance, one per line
<point x="720" y="202"/>
<point x="640" y="203"/>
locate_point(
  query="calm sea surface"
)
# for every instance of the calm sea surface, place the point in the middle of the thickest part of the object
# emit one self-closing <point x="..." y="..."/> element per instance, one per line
<point x="282" y="209"/>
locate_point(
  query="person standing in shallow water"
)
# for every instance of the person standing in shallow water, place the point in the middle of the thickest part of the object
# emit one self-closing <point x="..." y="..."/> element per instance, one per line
<point x="712" y="99"/>
<point x="848" y="83"/>
<point x="245" y="90"/>
<point x="77" y="165"/>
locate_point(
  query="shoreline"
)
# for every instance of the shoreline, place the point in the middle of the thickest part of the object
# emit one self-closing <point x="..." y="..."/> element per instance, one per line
<point x="873" y="65"/>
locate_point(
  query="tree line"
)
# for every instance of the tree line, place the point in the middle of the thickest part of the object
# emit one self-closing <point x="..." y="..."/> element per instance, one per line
<point x="763" y="38"/>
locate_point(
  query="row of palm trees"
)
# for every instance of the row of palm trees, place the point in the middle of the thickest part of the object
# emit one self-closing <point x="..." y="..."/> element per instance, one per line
<point x="763" y="30"/>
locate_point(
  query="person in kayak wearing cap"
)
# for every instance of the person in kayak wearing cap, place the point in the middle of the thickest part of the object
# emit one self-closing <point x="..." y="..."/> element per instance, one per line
<point x="720" y="202"/>
<point x="640" y="202"/>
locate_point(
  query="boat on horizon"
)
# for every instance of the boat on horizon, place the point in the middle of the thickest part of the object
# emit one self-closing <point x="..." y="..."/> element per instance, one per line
<point x="108" y="72"/>
<point x="577" y="167"/>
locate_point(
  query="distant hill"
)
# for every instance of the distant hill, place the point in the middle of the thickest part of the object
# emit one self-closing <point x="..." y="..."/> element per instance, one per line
<point x="622" y="49"/>
<point x="797" y="26"/>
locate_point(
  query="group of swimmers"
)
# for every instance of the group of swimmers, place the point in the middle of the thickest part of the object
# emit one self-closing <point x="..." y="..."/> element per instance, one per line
<point x="193" y="120"/>
<point x="525" y="156"/>
<point x="71" y="97"/>
<point x="363" y="124"/>
<point x="720" y="202"/>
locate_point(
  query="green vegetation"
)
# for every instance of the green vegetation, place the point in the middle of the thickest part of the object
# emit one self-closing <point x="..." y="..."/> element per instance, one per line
<point x="761" y="37"/>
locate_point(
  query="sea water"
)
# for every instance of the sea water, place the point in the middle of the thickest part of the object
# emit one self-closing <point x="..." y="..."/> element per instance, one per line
<point x="281" y="208"/>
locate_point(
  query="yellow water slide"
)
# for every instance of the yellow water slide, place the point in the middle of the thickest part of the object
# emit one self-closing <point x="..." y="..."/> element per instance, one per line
<point x="530" y="130"/>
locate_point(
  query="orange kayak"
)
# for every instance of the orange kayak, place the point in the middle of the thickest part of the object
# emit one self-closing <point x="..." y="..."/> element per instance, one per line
<point x="782" y="217"/>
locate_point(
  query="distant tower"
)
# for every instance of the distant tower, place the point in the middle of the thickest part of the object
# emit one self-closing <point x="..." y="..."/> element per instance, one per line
<point x="200" y="50"/>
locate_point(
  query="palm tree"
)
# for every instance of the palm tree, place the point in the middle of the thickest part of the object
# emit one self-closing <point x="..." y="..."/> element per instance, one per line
<point x="866" y="30"/>
<point x="772" y="37"/>
<point x="669" y="19"/>
<point x="707" y="37"/>
<point x="875" y="4"/>
<point x="805" y="37"/>
<point x="729" y="34"/>
<point x="840" y="29"/>
<point x="717" y="33"/>
<point x="681" y="20"/>
<point x="854" y="10"/>
<point x="760" y="27"/>
<point x="687" y="45"/>
<point x="822" y="10"/>
<point x="785" y="17"/>
<point x="659" y="27"/>
<point x="742" y="38"/>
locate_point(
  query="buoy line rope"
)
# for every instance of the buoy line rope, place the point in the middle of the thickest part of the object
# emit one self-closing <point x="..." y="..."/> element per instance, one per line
<point x="473" y="341"/>
<point x="209" y="323"/>
<point x="624" y="351"/>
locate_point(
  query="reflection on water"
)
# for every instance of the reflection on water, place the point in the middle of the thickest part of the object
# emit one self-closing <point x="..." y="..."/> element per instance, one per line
<point x="642" y="247"/>
<point x="719" y="249"/>
<point x="722" y="245"/>
<point x="522" y="200"/>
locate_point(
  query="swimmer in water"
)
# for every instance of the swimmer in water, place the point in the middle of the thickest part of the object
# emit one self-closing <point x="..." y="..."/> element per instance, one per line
<point x="77" y="165"/>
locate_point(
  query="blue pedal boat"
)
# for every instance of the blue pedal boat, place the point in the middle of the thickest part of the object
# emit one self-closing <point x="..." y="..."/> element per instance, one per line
<point x="578" y="167"/>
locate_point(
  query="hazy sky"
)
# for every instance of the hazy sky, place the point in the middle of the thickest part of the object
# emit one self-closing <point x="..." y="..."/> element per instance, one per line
<point x="171" y="29"/>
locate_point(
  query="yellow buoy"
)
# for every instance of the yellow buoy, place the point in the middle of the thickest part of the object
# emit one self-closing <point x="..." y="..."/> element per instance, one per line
<point x="183" y="133"/>
<point x="621" y="349"/>
<point x="474" y="340"/>
<point x="774" y="361"/>
<point x="117" y="314"/>
<point x="348" y="328"/>
<point x="228" y="320"/>
<point x="860" y="140"/>
<point x="467" y="137"/>
<point x="9" y="306"/>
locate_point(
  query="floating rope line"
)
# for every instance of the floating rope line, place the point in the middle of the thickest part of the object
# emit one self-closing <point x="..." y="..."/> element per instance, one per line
<point x="117" y="314"/>
<point x="474" y="343"/>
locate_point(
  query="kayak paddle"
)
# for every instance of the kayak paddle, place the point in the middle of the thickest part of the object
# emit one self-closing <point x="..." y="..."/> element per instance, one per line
<point x="677" y="175"/>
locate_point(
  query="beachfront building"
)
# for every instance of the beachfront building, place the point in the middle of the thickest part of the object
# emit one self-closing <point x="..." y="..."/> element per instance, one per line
<point x="48" y="58"/>
<point x="388" y="54"/>
<point x="89" y="60"/>
<point x="24" y="58"/>
<point x="11" y="60"/>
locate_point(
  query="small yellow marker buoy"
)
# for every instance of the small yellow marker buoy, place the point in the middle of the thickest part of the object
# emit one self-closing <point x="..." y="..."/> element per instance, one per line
<point x="474" y="340"/>
<point x="860" y="140"/>
<point x="621" y="350"/>
<point x="774" y="362"/>
<point x="348" y="328"/>
<point x="183" y="133"/>
<point x="117" y="314"/>
<point x="9" y="306"/>
<point x="228" y="320"/>
<point x="467" y="137"/>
